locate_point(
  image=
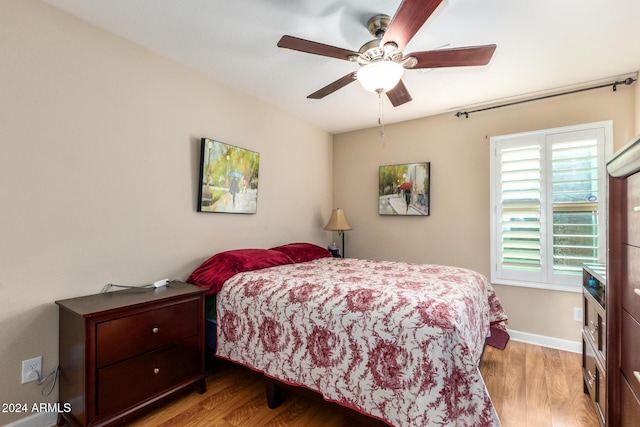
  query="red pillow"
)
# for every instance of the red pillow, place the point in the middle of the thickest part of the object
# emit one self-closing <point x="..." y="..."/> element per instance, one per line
<point x="302" y="252"/>
<point x="216" y="270"/>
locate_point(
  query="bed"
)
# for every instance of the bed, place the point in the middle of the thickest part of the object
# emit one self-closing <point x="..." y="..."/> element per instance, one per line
<point x="396" y="341"/>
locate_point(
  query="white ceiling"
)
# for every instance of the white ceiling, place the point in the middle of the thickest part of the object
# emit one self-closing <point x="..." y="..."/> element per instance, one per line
<point x="542" y="45"/>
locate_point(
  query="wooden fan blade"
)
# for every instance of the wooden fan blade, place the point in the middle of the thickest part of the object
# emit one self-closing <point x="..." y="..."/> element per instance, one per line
<point x="458" y="57"/>
<point x="302" y="45"/>
<point x="399" y="95"/>
<point x="410" y="16"/>
<point x="332" y="87"/>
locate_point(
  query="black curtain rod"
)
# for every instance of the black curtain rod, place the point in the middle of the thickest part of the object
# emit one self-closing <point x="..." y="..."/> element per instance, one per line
<point x="627" y="82"/>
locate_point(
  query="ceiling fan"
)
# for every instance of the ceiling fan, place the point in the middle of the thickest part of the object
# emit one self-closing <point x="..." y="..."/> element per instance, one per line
<point x="383" y="55"/>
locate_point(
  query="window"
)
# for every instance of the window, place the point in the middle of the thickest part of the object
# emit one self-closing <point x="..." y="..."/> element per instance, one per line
<point x="548" y="199"/>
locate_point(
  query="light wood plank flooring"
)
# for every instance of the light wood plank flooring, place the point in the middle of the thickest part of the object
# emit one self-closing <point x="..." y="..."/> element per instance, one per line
<point x="530" y="386"/>
<point x="533" y="386"/>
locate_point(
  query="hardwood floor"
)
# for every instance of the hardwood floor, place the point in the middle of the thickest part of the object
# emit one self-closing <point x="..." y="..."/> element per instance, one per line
<point x="530" y="386"/>
<point x="533" y="386"/>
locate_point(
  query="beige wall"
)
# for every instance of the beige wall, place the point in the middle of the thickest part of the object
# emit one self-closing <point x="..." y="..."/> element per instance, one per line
<point x="99" y="148"/>
<point x="457" y="232"/>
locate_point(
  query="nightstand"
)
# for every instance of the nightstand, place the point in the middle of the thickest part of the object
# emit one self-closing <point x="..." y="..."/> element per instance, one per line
<point x="123" y="352"/>
<point x="594" y="336"/>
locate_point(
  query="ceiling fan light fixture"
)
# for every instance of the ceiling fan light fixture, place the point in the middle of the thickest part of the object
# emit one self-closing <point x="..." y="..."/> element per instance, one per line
<point x="380" y="75"/>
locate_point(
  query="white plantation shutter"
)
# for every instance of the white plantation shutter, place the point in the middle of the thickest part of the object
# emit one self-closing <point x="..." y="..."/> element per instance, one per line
<point x="548" y="213"/>
<point x="520" y="210"/>
<point x="578" y="194"/>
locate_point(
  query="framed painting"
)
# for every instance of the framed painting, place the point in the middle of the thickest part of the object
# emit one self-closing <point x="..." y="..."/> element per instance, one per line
<point x="228" y="178"/>
<point x="404" y="189"/>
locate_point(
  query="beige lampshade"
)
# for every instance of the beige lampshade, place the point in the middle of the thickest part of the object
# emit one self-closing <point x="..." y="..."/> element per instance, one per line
<point x="338" y="221"/>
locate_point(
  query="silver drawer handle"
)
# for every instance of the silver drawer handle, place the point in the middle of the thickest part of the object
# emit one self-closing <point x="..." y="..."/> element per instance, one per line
<point x="636" y="208"/>
<point x="637" y="375"/>
<point x="636" y="291"/>
<point x="156" y="370"/>
<point x="155" y="330"/>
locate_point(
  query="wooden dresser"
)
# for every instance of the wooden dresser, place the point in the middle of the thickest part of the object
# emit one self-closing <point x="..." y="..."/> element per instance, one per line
<point x="623" y="288"/>
<point x="123" y="352"/>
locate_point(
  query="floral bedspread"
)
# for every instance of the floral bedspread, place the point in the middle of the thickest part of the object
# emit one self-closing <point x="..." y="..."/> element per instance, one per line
<point x="400" y="342"/>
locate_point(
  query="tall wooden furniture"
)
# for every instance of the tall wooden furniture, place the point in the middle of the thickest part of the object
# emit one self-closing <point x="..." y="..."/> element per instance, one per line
<point x="594" y="336"/>
<point x="122" y="352"/>
<point x="623" y="288"/>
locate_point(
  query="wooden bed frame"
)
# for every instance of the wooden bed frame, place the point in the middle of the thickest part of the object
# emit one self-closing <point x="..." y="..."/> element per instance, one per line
<point x="276" y="394"/>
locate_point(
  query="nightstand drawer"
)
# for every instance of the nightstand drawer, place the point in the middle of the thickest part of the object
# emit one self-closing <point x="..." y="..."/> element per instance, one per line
<point x="631" y="281"/>
<point x="128" y="383"/>
<point x="130" y="336"/>
<point x="630" y="362"/>
<point x="595" y="323"/>
<point x="588" y="364"/>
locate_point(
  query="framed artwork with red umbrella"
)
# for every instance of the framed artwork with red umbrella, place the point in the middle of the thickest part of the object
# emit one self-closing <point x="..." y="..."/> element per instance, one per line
<point x="404" y="189"/>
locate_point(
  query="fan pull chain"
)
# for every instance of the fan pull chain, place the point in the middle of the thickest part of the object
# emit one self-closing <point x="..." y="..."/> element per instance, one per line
<point x="380" y="114"/>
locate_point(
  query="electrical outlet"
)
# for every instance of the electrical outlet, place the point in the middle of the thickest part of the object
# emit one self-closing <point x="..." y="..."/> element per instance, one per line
<point x="31" y="369"/>
<point x="577" y="314"/>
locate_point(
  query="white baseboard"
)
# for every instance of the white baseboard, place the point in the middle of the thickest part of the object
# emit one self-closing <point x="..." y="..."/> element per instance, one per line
<point x="41" y="419"/>
<point x="544" y="341"/>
